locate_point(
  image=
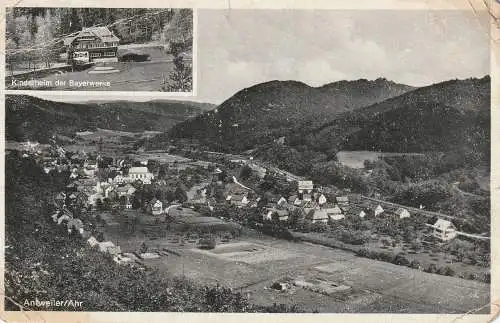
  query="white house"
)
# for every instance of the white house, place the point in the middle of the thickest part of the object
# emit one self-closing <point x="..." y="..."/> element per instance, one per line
<point x="379" y="210"/>
<point x="140" y="173"/>
<point x="402" y="213"/>
<point x="305" y="187"/>
<point x="335" y="213"/>
<point x="320" y="216"/>
<point x="444" y="230"/>
<point x="268" y="215"/>
<point x="126" y="190"/>
<point x="322" y="199"/>
<point x="156" y="207"/>
<point x="92" y="241"/>
<point x="109" y="247"/>
<point x="282" y="201"/>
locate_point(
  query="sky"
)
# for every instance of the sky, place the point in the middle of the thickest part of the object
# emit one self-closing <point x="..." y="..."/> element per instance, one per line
<point x="240" y="48"/>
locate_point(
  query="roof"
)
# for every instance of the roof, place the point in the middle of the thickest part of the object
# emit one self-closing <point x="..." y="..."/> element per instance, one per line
<point x="443" y="224"/>
<point x="342" y="199"/>
<point x="334" y="210"/>
<point x="138" y="170"/>
<point x="103" y="33"/>
<point x="401" y="211"/>
<point x="320" y="215"/>
<point x="305" y="185"/>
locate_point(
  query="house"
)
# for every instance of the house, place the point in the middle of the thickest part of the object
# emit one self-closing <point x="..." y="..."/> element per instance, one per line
<point x="62" y="218"/>
<point x="307" y="197"/>
<point x="92" y="241"/>
<point x="156" y="207"/>
<point x="322" y="199"/>
<point x="75" y="224"/>
<point x="297" y="202"/>
<point x="342" y="202"/>
<point x="444" y="230"/>
<point x="282" y="215"/>
<point x="60" y="198"/>
<point x="119" y="179"/>
<point x="319" y="216"/>
<point x="126" y="190"/>
<point x="239" y="200"/>
<point x="55" y="216"/>
<point x="335" y="213"/>
<point x="109" y="247"/>
<point x="268" y="215"/>
<point x="128" y="204"/>
<point x="378" y="210"/>
<point x="140" y="173"/>
<point x="282" y="202"/>
<point x="402" y="213"/>
<point x="305" y="187"/>
<point x="92" y="44"/>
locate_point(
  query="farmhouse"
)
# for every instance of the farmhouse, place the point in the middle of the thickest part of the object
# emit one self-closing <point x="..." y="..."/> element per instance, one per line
<point x="402" y="213"/>
<point x="444" y="230"/>
<point x="268" y="215"/>
<point x="319" y="216"/>
<point x="126" y="190"/>
<point x="322" y="199"/>
<point x="305" y="187"/>
<point x="93" y="44"/>
<point x="140" y="173"/>
<point x="282" y="202"/>
<point x="156" y="207"/>
<point x="92" y="241"/>
<point x="335" y="213"/>
<point x="109" y="247"/>
<point x="378" y="210"/>
<point x="343" y="202"/>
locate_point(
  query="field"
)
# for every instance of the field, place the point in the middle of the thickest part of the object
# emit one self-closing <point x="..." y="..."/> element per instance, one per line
<point x="159" y="156"/>
<point x="319" y="278"/>
<point x="355" y="159"/>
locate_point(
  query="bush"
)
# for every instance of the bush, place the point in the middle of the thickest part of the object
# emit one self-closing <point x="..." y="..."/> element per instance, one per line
<point x="362" y="252"/>
<point x="401" y="259"/>
<point x="431" y="269"/>
<point x="207" y="243"/>
<point x="415" y="264"/>
<point x="354" y="238"/>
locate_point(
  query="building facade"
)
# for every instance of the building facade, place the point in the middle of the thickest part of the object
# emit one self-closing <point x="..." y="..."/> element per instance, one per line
<point x="93" y="44"/>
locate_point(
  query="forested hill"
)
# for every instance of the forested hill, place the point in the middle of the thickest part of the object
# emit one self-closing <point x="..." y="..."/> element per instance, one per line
<point x="33" y="118"/>
<point x="269" y="110"/>
<point x="452" y="115"/>
<point x="36" y="26"/>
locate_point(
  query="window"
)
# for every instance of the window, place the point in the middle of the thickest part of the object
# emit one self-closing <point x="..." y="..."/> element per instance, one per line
<point x="95" y="54"/>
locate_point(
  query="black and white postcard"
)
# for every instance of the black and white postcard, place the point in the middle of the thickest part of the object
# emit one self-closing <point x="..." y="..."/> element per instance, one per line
<point x="331" y="161"/>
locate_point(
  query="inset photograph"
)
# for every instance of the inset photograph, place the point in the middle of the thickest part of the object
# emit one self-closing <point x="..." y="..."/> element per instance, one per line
<point x="99" y="49"/>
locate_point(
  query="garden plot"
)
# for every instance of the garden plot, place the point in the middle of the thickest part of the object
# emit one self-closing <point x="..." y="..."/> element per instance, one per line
<point x="250" y="253"/>
<point x="409" y="285"/>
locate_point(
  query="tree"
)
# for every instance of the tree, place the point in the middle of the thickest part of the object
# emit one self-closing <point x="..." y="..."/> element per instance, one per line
<point x="181" y="79"/>
<point x="245" y="172"/>
<point x="180" y="194"/>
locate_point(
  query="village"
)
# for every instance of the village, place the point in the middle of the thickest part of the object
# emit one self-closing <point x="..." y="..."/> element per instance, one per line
<point x="183" y="215"/>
